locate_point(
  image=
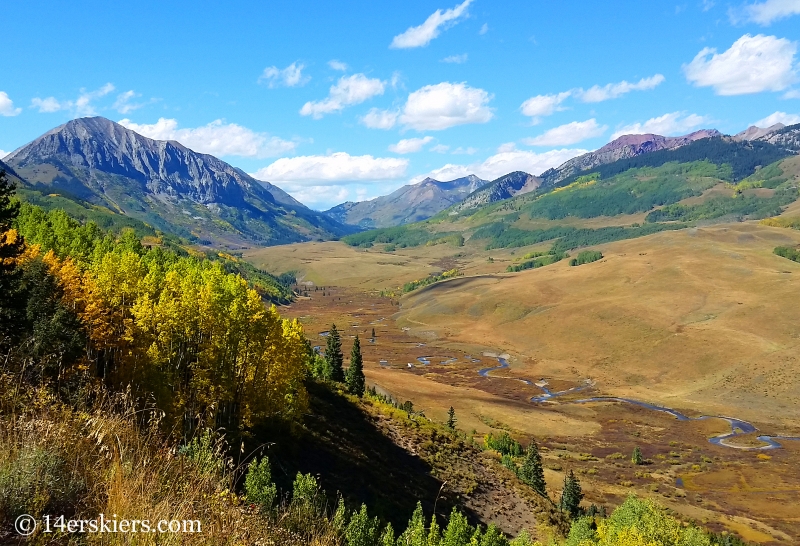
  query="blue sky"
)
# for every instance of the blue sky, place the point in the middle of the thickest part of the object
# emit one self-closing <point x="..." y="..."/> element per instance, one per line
<point x="338" y="101"/>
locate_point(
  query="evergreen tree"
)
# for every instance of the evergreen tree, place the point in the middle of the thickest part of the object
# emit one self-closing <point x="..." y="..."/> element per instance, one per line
<point x="637" y="456"/>
<point x="572" y="495"/>
<point x="387" y="538"/>
<point x="458" y="531"/>
<point x="532" y="472"/>
<point x="362" y="530"/>
<point x="451" y="418"/>
<point x="414" y="535"/>
<point x="373" y="333"/>
<point x="12" y="298"/>
<point x="355" y="373"/>
<point x="435" y="533"/>
<point x="493" y="537"/>
<point x="333" y="354"/>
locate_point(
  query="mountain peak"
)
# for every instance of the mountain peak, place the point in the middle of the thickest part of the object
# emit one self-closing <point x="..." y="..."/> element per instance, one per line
<point x="163" y="183"/>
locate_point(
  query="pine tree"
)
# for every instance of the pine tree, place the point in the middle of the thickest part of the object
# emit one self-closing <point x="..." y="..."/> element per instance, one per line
<point x="637" y="456"/>
<point x="333" y="354"/>
<point x="12" y="298"/>
<point x="572" y="495"/>
<point x="532" y="472"/>
<point x="373" y="333"/>
<point x="451" y="418"/>
<point x="354" y="378"/>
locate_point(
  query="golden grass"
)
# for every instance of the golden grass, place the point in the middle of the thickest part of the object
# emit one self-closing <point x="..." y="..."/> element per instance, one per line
<point x="103" y="460"/>
<point x="702" y="318"/>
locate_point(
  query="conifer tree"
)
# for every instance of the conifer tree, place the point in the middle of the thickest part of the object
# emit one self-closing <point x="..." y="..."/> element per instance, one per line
<point x="451" y="418"/>
<point x="637" y="458"/>
<point x="387" y="538"/>
<point x="572" y="495"/>
<point x="415" y="534"/>
<point x="354" y="378"/>
<point x="12" y="299"/>
<point x="333" y="354"/>
<point x="458" y="531"/>
<point x="532" y="472"/>
<point x="373" y="333"/>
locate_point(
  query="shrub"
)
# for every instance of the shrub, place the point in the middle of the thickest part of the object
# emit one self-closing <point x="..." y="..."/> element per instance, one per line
<point x="258" y="485"/>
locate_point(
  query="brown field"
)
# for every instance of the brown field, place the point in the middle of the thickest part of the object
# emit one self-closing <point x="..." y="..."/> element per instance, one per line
<point x="702" y="320"/>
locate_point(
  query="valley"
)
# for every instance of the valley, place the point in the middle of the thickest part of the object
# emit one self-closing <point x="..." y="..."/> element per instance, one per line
<point x="680" y="319"/>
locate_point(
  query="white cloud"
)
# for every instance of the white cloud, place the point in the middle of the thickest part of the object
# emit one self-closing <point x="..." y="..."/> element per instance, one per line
<point x="778" y="117"/>
<point x="567" y="134"/>
<point x="7" y="106"/>
<point x="456" y="59"/>
<point x="123" y="104"/>
<point x="503" y="163"/>
<point x="765" y="13"/>
<point x="379" y="119"/>
<point x="291" y="76"/>
<point x="217" y="138"/>
<point x="82" y="106"/>
<point x="336" y="167"/>
<point x="791" y="94"/>
<point x="675" y="123"/>
<point x="469" y="150"/>
<point x="614" y="90"/>
<point x="484" y="29"/>
<point x="707" y="5"/>
<point x="437" y="107"/>
<point x="543" y="105"/>
<point x="46" y="105"/>
<point x="337" y="65"/>
<point x="3" y="153"/>
<point x="423" y="34"/>
<point x="752" y="64"/>
<point x="347" y="91"/>
<point x="410" y="145"/>
<point x="440" y="148"/>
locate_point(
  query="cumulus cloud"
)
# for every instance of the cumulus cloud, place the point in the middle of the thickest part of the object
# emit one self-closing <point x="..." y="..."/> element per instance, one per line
<point x="81" y="106"/>
<point x="336" y="167"/>
<point x="217" y="138"/>
<point x="765" y="13"/>
<point x="570" y="133"/>
<point x="7" y="106"/>
<point x="791" y="94"/>
<point x="484" y="29"/>
<point x="503" y="163"/>
<point x="615" y="90"/>
<point x="440" y="148"/>
<point x="410" y="145"/>
<point x="752" y="64"/>
<point x="675" y="123"/>
<point x="337" y="65"/>
<point x="437" y="107"/>
<point x="422" y="35"/>
<point x="456" y="59"/>
<point x="778" y="117"/>
<point x="379" y="119"/>
<point x="543" y="105"/>
<point x="123" y="104"/>
<point x="291" y="76"/>
<point x="347" y="91"/>
<point x="3" y="153"/>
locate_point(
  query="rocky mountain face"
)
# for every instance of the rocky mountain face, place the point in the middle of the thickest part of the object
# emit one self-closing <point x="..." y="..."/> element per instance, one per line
<point x="411" y="203"/>
<point x="784" y="137"/>
<point x="505" y="187"/>
<point x="756" y="133"/>
<point x="166" y="185"/>
<point x="624" y="147"/>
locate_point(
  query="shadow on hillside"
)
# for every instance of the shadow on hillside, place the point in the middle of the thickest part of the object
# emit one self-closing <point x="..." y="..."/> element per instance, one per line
<point x="348" y="453"/>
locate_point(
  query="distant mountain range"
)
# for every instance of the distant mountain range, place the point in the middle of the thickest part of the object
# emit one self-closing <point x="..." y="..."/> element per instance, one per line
<point x="96" y="168"/>
<point x="100" y="163"/>
<point x="411" y="203"/>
